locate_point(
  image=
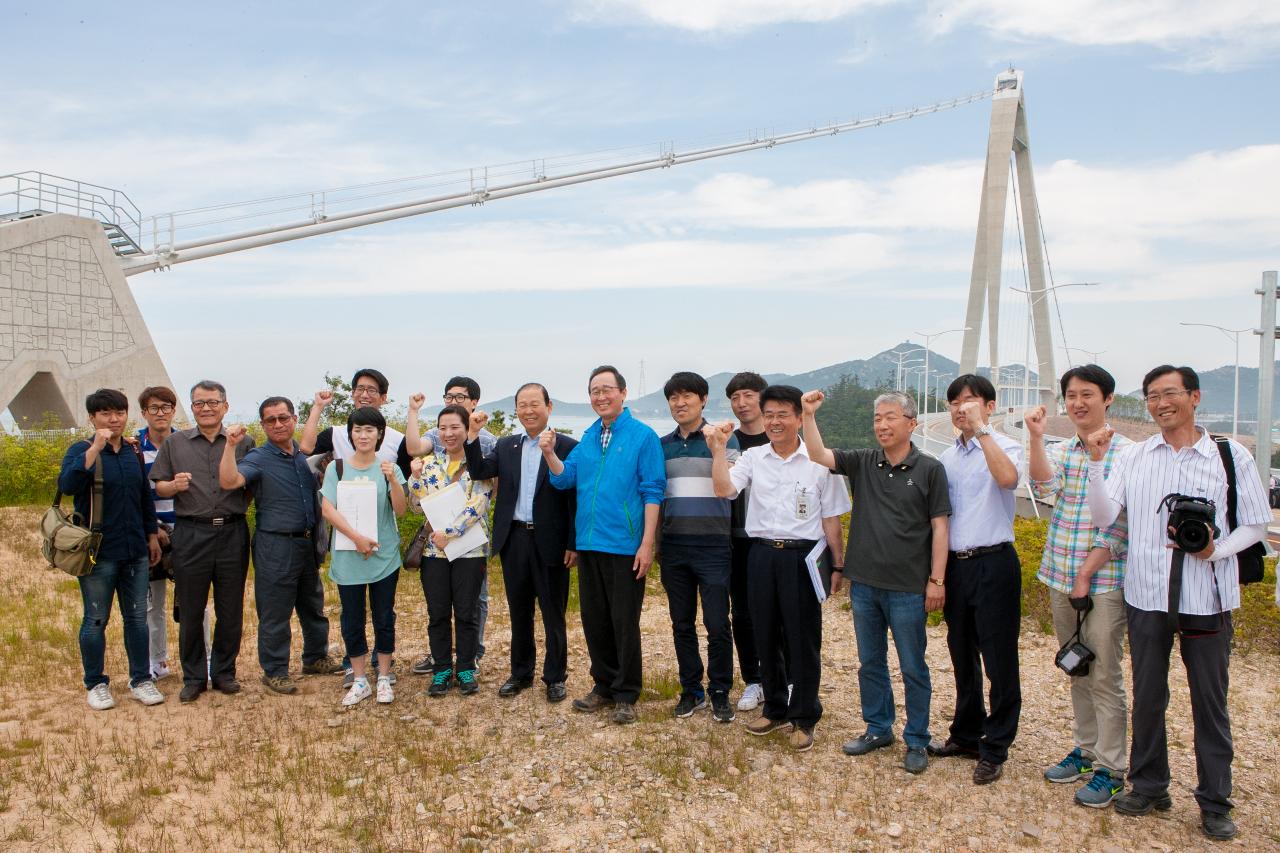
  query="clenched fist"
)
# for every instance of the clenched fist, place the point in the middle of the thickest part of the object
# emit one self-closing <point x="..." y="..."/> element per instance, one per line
<point x="478" y="419"/>
<point x="235" y="434"/>
<point x="100" y="438"/>
<point x="389" y="471"/>
<point x="322" y="398"/>
<point x="974" y="413"/>
<point x="416" y="400"/>
<point x="1034" y="419"/>
<point x="181" y="481"/>
<point x="1099" y="441"/>
<point x="547" y="441"/>
<point x="812" y="401"/>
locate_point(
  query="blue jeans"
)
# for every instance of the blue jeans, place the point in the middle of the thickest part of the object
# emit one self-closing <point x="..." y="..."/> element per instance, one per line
<point x="130" y="579"/>
<point x="875" y="612"/>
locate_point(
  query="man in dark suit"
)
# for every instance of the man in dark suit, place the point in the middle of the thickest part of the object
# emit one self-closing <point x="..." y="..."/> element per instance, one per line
<point x="533" y="533"/>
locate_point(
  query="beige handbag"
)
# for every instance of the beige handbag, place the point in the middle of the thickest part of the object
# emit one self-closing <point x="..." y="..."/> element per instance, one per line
<point x="67" y="544"/>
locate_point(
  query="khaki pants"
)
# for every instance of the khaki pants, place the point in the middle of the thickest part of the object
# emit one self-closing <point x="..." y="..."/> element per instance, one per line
<point x="1098" y="699"/>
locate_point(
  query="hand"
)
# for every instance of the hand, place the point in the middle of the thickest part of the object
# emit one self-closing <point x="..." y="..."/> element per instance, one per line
<point x="547" y="442"/>
<point x="100" y="438"/>
<point x="416" y="401"/>
<point x="837" y="575"/>
<point x="974" y="413"/>
<point x="570" y="559"/>
<point x="163" y="536"/>
<point x="644" y="559"/>
<point x="153" y="549"/>
<point x="1098" y="443"/>
<point x="478" y="419"/>
<point x="716" y="437"/>
<point x="322" y="398"/>
<point x="235" y="434"/>
<point x="934" y="597"/>
<point x="1082" y="603"/>
<point x="181" y="481"/>
<point x="1206" y="554"/>
<point x="132" y="441"/>
<point x="439" y="539"/>
<point x="415" y="467"/>
<point x="365" y="545"/>
<point x="1080" y="587"/>
<point x="389" y="471"/>
<point x="1034" y="420"/>
<point x="812" y="401"/>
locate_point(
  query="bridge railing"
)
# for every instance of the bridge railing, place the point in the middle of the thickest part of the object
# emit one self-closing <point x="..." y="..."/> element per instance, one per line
<point x="40" y="192"/>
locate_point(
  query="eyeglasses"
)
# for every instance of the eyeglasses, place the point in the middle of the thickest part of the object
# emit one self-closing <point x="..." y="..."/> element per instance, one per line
<point x="1167" y="396"/>
<point x="456" y="398"/>
<point x="162" y="409"/>
<point x="277" y="419"/>
<point x="602" y="390"/>
<point x="206" y="404"/>
<point x="366" y="390"/>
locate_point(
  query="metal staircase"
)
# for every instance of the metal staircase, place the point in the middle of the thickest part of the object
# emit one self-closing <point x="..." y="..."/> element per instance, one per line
<point x="24" y="195"/>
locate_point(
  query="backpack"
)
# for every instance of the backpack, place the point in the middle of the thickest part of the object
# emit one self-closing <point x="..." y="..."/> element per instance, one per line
<point x="324" y="530"/>
<point x="1248" y="561"/>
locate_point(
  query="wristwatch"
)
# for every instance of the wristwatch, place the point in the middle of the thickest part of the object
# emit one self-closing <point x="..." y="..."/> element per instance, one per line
<point x="985" y="429"/>
<point x="938" y="581"/>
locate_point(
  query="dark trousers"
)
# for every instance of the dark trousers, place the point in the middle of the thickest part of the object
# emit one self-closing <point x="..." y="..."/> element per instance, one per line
<point x="1206" y="659"/>
<point x="286" y="578"/>
<point x="528" y="580"/>
<point x="382" y="609"/>
<point x="452" y="590"/>
<point x="744" y="637"/>
<point x="204" y="556"/>
<point x="787" y="618"/>
<point x="612" y="598"/>
<point x="984" y="614"/>
<point x="687" y="572"/>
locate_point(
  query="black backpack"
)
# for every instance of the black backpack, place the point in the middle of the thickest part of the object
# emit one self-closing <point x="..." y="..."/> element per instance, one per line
<point x="1248" y="561"/>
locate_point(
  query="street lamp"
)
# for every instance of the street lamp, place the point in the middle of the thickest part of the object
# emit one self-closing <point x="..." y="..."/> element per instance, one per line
<point x="1026" y="362"/>
<point x="905" y="367"/>
<point x="927" y="339"/>
<point x="1234" y="334"/>
<point x="1092" y="353"/>
<point x="918" y="382"/>
<point x="897" y="385"/>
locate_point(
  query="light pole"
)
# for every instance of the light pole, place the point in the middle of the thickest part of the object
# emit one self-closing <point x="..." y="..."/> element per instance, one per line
<point x="927" y="339"/>
<point x="1026" y="361"/>
<point x="904" y="368"/>
<point x="918" y="382"/>
<point x="1092" y="353"/>
<point x="1234" y="334"/>
<point x="897" y="385"/>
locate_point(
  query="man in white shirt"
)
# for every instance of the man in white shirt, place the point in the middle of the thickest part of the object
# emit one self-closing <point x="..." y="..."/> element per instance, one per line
<point x="1182" y="460"/>
<point x="983" y="606"/>
<point x="793" y="504"/>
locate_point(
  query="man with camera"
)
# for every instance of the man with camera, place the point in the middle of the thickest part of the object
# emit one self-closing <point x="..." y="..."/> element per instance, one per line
<point x="1181" y="578"/>
<point x="1084" y="570"/>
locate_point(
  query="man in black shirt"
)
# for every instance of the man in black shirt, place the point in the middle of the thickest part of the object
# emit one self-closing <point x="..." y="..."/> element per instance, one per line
<point x="743" y="391"/>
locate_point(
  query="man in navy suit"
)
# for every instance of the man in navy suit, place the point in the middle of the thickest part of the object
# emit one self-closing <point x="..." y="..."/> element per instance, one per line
<point x="533" y="533"/>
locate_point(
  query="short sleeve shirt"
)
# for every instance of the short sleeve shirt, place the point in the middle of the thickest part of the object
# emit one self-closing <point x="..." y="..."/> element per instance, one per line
<point x="349" y="567"/>
<point x="284" y="489"/>
<point x="789" y="497"/>
<point x="187" y="450"/>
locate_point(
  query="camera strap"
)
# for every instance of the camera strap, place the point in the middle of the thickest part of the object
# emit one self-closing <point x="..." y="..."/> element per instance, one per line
<point x="1175" y="587"/>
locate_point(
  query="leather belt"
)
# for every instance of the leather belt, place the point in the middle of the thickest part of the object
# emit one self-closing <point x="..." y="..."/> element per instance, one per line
<point x="788" y="544"/>
<point x="970" y="553"/>
<point x="292" y="534"/>
<point x="216" y="522"/>
<point x="523" y="525"/>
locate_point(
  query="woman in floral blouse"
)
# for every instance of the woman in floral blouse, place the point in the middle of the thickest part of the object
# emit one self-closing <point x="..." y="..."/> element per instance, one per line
<point x="452" y="587"/>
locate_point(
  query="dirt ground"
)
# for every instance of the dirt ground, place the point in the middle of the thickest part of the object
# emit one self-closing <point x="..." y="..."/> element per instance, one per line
<point x="261" y="771"/>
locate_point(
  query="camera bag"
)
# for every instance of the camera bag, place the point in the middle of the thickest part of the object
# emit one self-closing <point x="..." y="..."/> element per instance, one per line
<point x="1248" y="561"/>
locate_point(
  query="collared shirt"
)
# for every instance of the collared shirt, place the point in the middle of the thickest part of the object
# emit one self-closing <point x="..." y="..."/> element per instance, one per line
<point x="530" y="457"/>
<point x="891" y="531"/>
<point x="746" y="441"/>
<point x="284" y="489"/>
<point x="187" y="450"/>
<point x="164" y="506"/>
<point x="789" y="497"/>
<point x="128" y="514"/>
<point x="1071" y="532"/>
<point x="606" y="433"/>
<point x="981" y="511"/>
<point x="440" y="472"/>
<point x="1139" y="481"/>
<point x="691" y="512"/>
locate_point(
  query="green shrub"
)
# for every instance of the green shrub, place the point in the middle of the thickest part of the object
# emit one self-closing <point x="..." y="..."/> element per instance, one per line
<point x="29" y="468"/>
<point x="1028" y="540"/>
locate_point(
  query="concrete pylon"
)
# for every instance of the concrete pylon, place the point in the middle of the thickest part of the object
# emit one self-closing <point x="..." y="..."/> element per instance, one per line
<point x="1008" y="135"/>
<point x="68" y="323"/>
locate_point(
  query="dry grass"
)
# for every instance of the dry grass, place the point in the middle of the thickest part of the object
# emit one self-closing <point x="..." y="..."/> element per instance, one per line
<point x="259" y="771"/>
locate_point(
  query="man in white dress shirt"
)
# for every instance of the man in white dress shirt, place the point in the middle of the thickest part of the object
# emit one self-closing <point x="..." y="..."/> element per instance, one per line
<point x="1183" y="460"/>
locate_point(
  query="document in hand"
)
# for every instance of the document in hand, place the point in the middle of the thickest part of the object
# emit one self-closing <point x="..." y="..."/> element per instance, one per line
<point x="819" y="570"/>
<point x="358" y="504"/>
<point x="442" y="509"/>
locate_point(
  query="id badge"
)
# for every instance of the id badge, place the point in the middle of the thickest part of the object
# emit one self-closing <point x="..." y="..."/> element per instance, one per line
<point x="802" y="502"/>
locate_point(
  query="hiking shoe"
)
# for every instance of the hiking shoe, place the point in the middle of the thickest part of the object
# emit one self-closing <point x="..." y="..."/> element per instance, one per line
<point x="282" y="684"/>
<point x="751" y="698"/>
<point x="359" y="692"/>
<point x="866" y="742"/>
<point x="689" y="703"/>
<point x="1219" y="827"/>
<point x="100" y="698"/>
<point x="385" y="694"/>
<point x="424" y="666"/>
<point x="624" y="713"/>
<point x="324" y="666"/>
<point x="1101" y="790"/>
<point x="1074" y="766"/>
<point x="916" y="760"/>
<point x="146" y="693"/>
<point x="228" y="686"/>
<point x="987" y="772"/>
<point x="721" y="710"/>
<point x="950" y="749"/>
<point x="1133" y="803"/>
<point x="467" y="683"/>
<point x="593" y="701"/>
<point x="764" y="725"/>
<point x="440" y="683"/>
<point x="159" y="670"/>
<point x="190" y="692"/>
<point x="801" y="739"/>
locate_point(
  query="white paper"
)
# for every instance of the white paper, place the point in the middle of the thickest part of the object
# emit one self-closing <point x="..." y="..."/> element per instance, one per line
<point x="442" y="509"/>
<point x="815" y="575"/>
<point x="358" y="503"/>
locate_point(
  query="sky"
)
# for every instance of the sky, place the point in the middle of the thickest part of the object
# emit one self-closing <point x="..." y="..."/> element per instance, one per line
<point x="1153" y="132"/>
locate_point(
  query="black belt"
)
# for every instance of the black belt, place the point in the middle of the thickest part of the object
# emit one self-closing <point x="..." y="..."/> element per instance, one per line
<point x="522" y="525"/>
<point x="788" y="544"/>
<point x="216" y="522"/>
<point x="293" y="534"/>
<point x="970" y="553"/>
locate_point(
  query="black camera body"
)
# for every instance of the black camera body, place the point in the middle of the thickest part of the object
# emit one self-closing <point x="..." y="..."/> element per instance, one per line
<point x="1074" y="657"/>
<point x="1192" y="521"/>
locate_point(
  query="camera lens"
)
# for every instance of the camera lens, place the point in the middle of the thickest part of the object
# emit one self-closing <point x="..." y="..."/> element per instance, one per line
<point x="1193" y="536"/>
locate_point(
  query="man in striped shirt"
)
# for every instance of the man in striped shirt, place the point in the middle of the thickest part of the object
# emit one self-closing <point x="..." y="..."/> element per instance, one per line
<point x="1082" y="563"/>
<point x="158" y="405"/>
<point x="1182" y="460"/>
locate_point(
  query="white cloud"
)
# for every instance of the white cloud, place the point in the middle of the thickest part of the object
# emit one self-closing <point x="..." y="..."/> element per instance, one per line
<point x="706" y="16"/>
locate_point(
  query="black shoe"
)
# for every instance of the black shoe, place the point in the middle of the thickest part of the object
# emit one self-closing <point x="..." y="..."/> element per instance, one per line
<point x="866" y="742"/>
<point x="688" y="704"/>
<point x="514" y="686"/>
<point x="950" y="749"/>
<point x="916" y="760"/>
<point x="987" y="772"/>
<point x="440" y="683"/>
<point x="556" y="691"/>
<point x="721" y="710"/>
<point x="190" y="692"/>
<point x="593" y="701"/>
<point x="467" y="683"/>
<point x="228" y="686"/>
<point x="1133" y="803"/>
<point x="1219" y="827"/>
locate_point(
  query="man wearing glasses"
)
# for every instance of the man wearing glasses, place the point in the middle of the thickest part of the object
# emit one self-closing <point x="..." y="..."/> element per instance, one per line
<point x="210" y="542"/>
<point x="1183" y="459"/>
<point x="286" y="576"/>
<point x="369" y="388"/>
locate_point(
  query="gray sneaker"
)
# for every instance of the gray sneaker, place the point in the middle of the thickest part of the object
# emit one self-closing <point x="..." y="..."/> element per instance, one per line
<point x="423" y="666"/>
<point x="1101" y="790"/>
<point x="866" y="742"/>
<point x="1074" y="766"/>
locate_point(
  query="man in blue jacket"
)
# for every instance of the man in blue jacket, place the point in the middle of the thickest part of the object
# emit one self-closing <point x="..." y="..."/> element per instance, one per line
<point x="620" y="477"/>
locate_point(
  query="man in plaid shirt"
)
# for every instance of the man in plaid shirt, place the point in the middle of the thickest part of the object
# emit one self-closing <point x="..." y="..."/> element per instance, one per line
<point x="1082" y="563"/>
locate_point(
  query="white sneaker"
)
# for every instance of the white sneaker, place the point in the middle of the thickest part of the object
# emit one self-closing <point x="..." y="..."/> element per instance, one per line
<point x="100" y="698"/>
<point x="752" y="696"/>
<point x="359" y="692"/>
<point x="385" y="694"/>
<point x="159" y="670"/>
<point x="147" y="694"/>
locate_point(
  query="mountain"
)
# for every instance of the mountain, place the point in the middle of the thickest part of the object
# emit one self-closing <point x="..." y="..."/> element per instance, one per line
<point x="1217" y="391"/>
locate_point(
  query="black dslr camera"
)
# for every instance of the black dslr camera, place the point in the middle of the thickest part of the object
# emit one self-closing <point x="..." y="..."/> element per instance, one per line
<point x="1191" y="522"/>
<point x="1074" y="657"/>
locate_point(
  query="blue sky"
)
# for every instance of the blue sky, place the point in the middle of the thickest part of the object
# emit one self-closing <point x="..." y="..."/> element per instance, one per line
<point x="1154" y="138"/>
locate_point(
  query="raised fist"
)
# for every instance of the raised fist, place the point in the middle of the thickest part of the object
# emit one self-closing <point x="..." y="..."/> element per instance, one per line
<point x="322" y="398"/>
<point x="415" y="467"/>
<point x="974" y="413"/>
<point x="812" y="401"/>
<point x="416" y="400"/>
<point x="1034" y="419"/>
<point x="235" y="434"/>
<point x="100" y="438"/>
<point x="478" y="419"/>
<point x="716" y="436"/>
<point x="389" y="471"/>
<point x="1098" y="443"/>
<point x="547" y="441"/>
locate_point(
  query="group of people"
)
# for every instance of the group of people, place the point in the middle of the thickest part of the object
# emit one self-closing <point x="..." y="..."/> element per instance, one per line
<point x="741" y="517"/>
